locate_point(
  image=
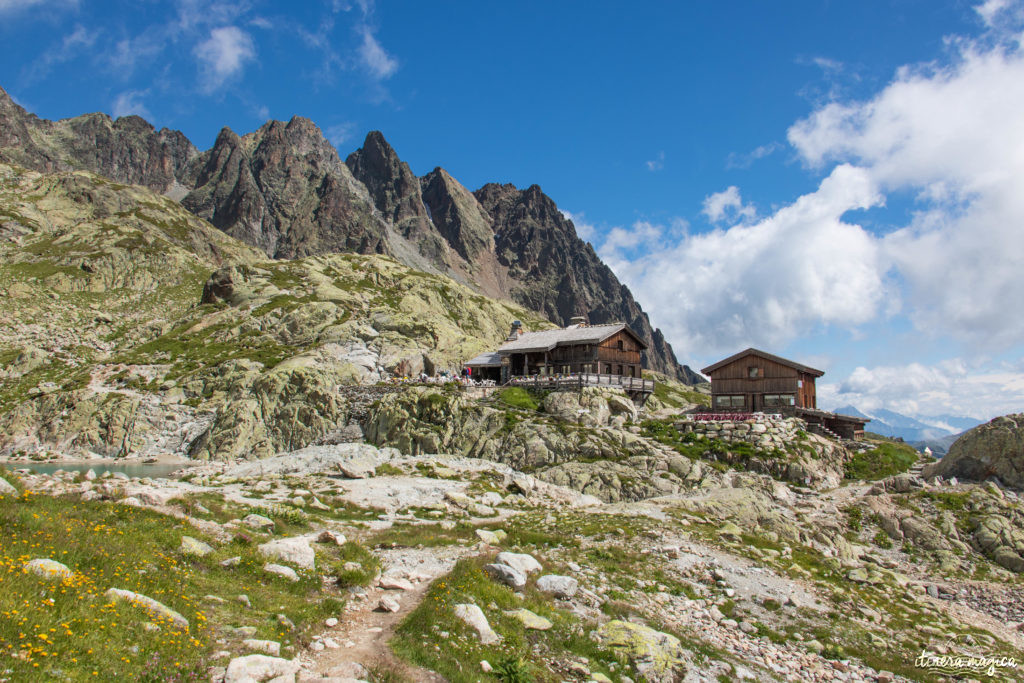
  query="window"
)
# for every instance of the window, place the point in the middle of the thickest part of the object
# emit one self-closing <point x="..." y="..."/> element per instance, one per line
<point x="752" y="372"/>
<point x="619" y="345"/>
<point x="779" y="400"/>
<point x="620" y="370"/>
<point x="735" y="401"/>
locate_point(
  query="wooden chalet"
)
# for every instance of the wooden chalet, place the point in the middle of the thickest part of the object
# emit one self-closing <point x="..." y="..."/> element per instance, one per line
<point x="579" y="348"/>
<point x="577" y="355"/>
<point x="756" y="381"/>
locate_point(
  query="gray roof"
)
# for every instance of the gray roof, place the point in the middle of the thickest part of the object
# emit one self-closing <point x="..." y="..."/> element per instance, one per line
<point x="487" y="359"/>
<point x="763" y="354"/>
<point x="545" y="340"/>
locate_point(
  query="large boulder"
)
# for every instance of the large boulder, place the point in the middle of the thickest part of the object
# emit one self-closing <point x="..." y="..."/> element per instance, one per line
<point x="658" y="657"/>
<point x="992" y="449"/>
<point x="295" y="550"/>
<point x="159" y="610"/>
<point x="258" y="668"/>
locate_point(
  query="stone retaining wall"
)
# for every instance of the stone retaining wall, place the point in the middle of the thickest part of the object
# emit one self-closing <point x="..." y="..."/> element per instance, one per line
<point x="761" y="430"/>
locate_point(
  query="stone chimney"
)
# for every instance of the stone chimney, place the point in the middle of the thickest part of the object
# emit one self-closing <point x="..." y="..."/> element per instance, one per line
<point x="517" y="331"/>
<point x="578" y="321"/>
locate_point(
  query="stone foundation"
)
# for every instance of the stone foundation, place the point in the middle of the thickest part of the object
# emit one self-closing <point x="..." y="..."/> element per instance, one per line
<point x="760" y="430"/>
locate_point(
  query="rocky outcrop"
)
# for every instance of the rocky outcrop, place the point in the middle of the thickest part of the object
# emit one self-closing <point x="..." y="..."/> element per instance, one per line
<point x="283" y="189"/>
<point x="995" y="449"/>
<point x="128" y="149"/>
<point x="610" y="463"/>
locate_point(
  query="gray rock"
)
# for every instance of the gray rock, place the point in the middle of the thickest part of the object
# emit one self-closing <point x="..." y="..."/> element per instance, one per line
<point x="521" y="561"/>
<point x="194" y="547"/>
<point x="254" y="521"/>
<point x="510" y="576"/>
<point x="48" y="569"/>
<point x="295" y="550"/>
<point x="559" y="586"/>
<point x="281" y="570"/>
<point x="158" y="609"/>
<point x="268" y="647"/>
<point x="474" y="617"/>
<point x="260" y="668"/>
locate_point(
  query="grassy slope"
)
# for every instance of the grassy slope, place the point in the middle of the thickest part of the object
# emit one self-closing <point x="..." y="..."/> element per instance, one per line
<point x="50" y="630"/>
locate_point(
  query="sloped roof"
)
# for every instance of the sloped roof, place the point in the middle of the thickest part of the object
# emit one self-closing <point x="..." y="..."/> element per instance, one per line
<point x="488" y="359"/>
<point x="763" y="354"/>
<point x="545" y="340"/>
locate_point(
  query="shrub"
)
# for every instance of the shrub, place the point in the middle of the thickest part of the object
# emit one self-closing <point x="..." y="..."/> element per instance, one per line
<point x="518" y="397"/>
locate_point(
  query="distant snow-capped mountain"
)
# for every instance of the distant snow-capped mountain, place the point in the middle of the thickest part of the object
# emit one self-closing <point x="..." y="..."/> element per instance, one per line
<point x="935" y="431"/>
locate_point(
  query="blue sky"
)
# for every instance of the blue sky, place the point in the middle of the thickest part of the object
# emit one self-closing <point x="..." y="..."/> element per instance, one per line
<point x="840" y="183"/>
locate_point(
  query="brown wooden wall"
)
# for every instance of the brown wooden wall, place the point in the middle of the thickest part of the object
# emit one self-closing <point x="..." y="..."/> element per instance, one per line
<point x="605" y="358"/>
<point x="773" y="378"/>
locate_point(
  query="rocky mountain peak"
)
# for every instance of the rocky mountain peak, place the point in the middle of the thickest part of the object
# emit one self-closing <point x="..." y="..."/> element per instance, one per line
<point x="392" y="184"/>
<point x="284" y="189"/>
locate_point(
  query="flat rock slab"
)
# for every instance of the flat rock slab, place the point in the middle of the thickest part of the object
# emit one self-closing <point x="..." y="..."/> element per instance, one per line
<point x="260" y="668"/>
<point x="194" y="547"/>
<point x="559" y="586"/>
<point x="281" y="570"/>
<point x="529" y="619"/>
<point x="269" y="647"/>
<point x="157" y="609"/>
<point x="295" y="550"/>
<point x="521" y="561"/>
<point x="315" y="460"/>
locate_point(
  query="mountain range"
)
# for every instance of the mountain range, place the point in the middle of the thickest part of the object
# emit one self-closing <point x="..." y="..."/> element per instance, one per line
<point x="938" y="432"/>
<point x="284" y="190"/>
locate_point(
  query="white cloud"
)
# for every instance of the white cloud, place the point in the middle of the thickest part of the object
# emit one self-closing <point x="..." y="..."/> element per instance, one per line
<point x="223" y="56"/>
<point x="727" y="204"/>
<point x="18" y="5"/>
<point x="953" y="136"/>
<point x="948" y="387"/>
<point x="340" y="133"/>
<point x="990" y="8"/>
<point x="950" y="138"/>
<point x="130" y="102"/>
<point x="70" y="46"/>
<point x="657" y="163"/>
<point x="375" y="58"/>
<point x="747" y="160"/>
<point x="759" y="284"/>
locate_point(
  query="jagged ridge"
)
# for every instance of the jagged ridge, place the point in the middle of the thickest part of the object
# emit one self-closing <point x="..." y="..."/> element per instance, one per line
<point x="285" y="190"/>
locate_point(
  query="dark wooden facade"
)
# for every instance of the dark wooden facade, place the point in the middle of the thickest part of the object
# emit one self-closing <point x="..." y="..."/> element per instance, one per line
<point x="619" y="354"/>
<point x="753" y="381"/>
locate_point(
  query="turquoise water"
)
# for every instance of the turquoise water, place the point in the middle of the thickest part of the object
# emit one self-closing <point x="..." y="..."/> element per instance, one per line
<point x="153" y="471"/>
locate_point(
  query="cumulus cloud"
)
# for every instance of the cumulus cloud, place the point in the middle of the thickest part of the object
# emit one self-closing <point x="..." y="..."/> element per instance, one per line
<point x="763" y="283"/>
<point x="223" y="56"/>
<point x="727" y="204"/>
<point x="375" y="58"/>
<point x="949" y="387"/>
<point x="130" y="102"/>
<point x="657" y="163"/>
<point x="953" y="137"/>
<point x="950" y="138"/>
<point x="989" y="9"/>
